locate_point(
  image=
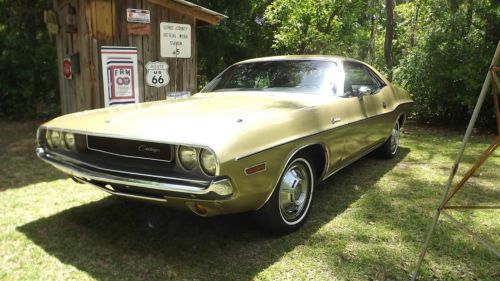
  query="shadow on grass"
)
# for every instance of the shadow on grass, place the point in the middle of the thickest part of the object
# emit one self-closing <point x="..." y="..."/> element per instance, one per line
<point x="20" y="166"/>
<point x="451" y="247"/>
<point x="115" y="239"/>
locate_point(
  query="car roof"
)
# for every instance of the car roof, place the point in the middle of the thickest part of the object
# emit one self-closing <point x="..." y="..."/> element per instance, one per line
<point x="301" y="57"/>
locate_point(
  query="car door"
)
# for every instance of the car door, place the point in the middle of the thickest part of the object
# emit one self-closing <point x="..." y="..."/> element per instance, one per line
<point x="361" y="107"/>
<point x="377" y="102"/>
<point x="348" y="114"/>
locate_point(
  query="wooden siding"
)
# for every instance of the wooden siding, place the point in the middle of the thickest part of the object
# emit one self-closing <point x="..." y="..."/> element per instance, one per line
<point x="104" y="23"/>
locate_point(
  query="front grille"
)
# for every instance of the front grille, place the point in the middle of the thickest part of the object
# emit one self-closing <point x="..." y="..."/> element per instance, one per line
<point x="131" y="148"/>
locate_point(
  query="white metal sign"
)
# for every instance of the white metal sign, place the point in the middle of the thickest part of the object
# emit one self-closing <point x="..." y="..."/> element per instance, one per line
<point x="120" y="75"/>
<point x="157" y="74"/>
<point x="178" y="95"/>
<point x="175" y="40"/>
<point x="137" y="15"/>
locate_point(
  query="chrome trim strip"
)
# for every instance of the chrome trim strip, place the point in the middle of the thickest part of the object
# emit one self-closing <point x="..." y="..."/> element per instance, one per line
<point x="125" y="194"/>
<point x="216" y="187"/>
<point x="128" y="156"/>
<point x="317" y="133"/>
<point x="74" y="161"/>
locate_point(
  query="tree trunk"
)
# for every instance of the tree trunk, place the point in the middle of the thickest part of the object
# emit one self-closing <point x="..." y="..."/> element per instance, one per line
<point x="371" y="47"/>
<point x="470" y="13"/>
<point x="389" y="36"/>
<point x="414" y="27"/>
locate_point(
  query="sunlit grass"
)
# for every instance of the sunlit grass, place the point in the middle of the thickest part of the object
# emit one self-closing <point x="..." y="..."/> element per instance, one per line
<point x="367" y="222"/>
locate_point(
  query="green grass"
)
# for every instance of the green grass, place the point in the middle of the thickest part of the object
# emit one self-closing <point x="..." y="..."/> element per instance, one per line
<point x="368" y="222"/>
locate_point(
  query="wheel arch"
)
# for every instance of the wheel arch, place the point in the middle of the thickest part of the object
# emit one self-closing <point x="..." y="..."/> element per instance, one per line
<point x="401" y="119"/>
<point x="318" y="156"/>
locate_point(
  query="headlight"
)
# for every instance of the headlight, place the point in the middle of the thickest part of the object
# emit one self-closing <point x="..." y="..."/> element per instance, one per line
<point x="55" y="138"/>
<point x="69" y="141"/>
<point x="48" y="138"/>
<point x="187" y="157"/>
<point x="207" y="161"/>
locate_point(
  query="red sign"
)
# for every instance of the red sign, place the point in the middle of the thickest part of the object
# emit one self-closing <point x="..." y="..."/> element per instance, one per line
<point x="68" y="74"/>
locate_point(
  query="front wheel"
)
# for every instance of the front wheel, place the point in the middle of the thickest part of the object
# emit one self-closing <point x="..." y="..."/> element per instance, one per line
<point x="390" y="147"/>
<point x="289" y="204"/>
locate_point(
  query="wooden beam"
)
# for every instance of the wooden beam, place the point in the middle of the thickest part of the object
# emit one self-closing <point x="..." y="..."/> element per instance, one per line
<point x="193" y="11"/>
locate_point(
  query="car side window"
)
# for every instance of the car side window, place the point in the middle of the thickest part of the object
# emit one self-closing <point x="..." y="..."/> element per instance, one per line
<point x="357" y="77"/>
<point x="379" y="80"/>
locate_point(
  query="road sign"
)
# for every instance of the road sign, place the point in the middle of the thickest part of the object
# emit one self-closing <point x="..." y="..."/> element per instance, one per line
<point x="157" y="74"/>
<point x="175" y="40"/>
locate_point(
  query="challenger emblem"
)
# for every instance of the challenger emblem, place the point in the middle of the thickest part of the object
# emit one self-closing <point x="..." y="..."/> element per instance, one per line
<point x="143" y="148"/>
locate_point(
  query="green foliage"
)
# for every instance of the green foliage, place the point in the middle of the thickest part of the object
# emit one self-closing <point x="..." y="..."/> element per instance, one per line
<point x="446" y="68"/>
<point x="242" y="35"/>
<point x="441" y="49"/>
<point x="320" y="27"/>
<point x="28" y="66"/>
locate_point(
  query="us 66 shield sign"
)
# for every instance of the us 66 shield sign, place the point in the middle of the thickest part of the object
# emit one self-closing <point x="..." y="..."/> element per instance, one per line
<point x="157" y="74"/>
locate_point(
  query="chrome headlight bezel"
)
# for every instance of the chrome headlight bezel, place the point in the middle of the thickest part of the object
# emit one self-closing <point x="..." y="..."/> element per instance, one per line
<point x="48" y="139"/>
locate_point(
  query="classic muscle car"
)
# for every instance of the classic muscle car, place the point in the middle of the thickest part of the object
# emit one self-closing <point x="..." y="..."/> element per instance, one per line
<point x="259" y="137"/>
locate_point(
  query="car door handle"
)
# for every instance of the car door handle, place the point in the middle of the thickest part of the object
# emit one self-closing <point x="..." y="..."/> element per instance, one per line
<point x="335" y="120"/>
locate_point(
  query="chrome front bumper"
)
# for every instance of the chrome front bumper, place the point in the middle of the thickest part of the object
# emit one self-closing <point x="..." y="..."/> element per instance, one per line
<point x="220" y="189"/>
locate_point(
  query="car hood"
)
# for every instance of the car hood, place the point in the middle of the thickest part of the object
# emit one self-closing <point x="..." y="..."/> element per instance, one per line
<point x="242" y="121"/>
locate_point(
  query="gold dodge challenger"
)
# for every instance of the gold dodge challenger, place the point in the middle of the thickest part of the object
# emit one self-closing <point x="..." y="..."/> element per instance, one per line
<point x="259" y="137"/>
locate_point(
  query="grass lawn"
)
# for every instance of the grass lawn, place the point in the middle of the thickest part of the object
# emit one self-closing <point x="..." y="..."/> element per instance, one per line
<point x="368" y="222"/>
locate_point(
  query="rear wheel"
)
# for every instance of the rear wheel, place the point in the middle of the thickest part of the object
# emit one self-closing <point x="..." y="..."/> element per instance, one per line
<point x="390" y="147"/>
<point x="288" y="207"/>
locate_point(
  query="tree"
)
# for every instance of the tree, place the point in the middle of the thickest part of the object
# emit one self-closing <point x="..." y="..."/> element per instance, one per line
<point x="242" y="35"/>
<point x="321" y="27"/>
<point x="445" y="69"/>
<point x="389" y="36"/>
<point x="28" y="69"/>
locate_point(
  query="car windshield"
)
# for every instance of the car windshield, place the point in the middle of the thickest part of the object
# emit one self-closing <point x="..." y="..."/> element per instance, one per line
<point x="301" y="76"/>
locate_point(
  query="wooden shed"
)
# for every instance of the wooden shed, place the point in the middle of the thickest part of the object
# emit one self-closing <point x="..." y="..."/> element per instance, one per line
<point x="83" y="27"/>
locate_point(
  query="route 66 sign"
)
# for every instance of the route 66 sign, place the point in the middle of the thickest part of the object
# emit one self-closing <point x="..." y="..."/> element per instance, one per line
<point x="157" y="74"/>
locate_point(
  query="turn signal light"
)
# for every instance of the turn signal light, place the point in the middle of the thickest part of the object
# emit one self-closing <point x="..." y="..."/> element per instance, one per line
<point x="200" y="209"/>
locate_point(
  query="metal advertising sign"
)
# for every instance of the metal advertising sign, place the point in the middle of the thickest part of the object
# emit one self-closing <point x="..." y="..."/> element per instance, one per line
<point x="120" y="76"/>
<point x="175" y="40"/>
<point x="67" y="72"/>
<point x="138" y="15"/>
<point x="157" y="74"/>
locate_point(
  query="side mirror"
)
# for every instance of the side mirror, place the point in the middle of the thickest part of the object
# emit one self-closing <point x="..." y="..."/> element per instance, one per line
<point x="363" y="91"/>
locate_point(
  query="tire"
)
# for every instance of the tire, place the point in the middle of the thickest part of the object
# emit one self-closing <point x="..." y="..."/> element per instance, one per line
<point x="288" y="207"/>
<point x="390" y="147"/>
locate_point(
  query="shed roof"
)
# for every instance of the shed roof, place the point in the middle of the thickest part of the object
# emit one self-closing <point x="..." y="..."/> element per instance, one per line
<point x="202" y="14"/>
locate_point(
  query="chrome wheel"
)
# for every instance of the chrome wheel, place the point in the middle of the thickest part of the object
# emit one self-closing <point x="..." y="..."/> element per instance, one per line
<point x="394" y="142"/>
<point x="295" y="190"/>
